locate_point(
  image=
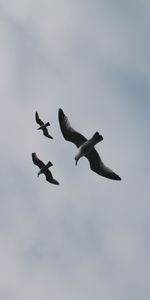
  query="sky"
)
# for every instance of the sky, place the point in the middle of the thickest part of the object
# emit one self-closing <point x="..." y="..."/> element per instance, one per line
<point x="89" y="237"/>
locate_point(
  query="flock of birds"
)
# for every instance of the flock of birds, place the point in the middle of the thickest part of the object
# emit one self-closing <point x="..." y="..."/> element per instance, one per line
<point x="85" y="148"/>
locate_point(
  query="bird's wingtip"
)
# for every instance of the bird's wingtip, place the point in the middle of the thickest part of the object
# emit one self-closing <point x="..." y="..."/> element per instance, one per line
<point x="118" y="178"/>
<point x="60" y="115"/>
<point x="60" y="111"/>
<point x="56" y="182"/>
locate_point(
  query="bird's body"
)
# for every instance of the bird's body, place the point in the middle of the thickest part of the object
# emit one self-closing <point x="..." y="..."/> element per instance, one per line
<point x="44" y="169"/>
<point x="85" y="147"/>
<point x="43" y="126"/>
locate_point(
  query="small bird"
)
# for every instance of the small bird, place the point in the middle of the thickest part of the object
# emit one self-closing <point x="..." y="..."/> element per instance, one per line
<point x="43" y="126"/>
<point x="85" y="147"/>
<point x="44" y="169"/>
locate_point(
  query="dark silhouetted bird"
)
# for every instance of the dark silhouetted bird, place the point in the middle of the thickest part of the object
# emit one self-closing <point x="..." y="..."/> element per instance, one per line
<point x="44" y="169"/>
<point x="43" y="126"/>
<point x="85" y="147"/>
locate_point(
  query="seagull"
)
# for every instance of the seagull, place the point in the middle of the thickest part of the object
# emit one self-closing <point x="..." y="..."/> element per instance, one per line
<point x="43" y="126"/>
<point x="85" y="147"/>
<point x="44" y="169"/>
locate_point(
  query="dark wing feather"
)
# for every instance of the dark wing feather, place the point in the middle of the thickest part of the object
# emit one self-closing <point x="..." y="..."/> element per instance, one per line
<point x="98" y="166"/>
<point x="37" y="161"/>
<point x="46" y="133"/>
<point x="49" y="177"/>
<point x="38" y="120"/>
<point x="68" y="132"/>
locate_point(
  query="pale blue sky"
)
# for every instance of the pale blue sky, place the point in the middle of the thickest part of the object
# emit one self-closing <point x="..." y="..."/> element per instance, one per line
<point x="89" y="237"/>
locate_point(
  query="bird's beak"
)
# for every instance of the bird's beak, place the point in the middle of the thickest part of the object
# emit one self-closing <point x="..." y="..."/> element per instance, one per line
<point x="76" y="161"/>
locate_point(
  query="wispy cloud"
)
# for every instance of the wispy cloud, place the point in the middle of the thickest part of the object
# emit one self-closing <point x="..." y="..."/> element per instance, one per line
<point x="87" y="238"/>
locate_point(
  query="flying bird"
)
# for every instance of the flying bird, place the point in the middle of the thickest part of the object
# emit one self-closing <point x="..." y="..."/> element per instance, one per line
<point x="43" y="126"/>
<point x="44" y="169"/>
<point x="85" y="147"/>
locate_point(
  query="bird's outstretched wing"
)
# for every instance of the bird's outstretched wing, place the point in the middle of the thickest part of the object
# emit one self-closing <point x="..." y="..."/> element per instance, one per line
<point x="37" y="161"/>
<point x="38" y="120"/>
<point x="49" y="177"/>
<point x="46" y="133"/>
<point x="68" y="132"/>
<point x="98" y="166"/>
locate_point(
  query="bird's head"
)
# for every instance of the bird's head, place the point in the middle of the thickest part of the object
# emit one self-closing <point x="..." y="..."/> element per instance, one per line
<point x="38" y="174"/>
<point x="76" y="159"/>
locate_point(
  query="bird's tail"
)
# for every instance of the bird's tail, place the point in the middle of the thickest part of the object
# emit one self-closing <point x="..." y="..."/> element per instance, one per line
<point x="49" y="164"/>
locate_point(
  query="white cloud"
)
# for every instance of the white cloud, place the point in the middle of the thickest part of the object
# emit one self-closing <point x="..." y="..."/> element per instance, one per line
<point x="88" y="237"/>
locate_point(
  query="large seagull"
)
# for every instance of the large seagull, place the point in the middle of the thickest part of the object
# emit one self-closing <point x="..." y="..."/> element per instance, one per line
<point x="85" y="147"/>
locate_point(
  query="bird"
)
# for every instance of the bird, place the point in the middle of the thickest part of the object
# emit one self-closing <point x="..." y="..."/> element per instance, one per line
<point x="85" y="147"/>
<point x="43" y="126"/>
<point x="44" y="169"/>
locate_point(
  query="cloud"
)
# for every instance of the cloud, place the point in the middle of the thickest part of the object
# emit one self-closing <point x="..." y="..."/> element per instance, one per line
<point x="89" y="236"/>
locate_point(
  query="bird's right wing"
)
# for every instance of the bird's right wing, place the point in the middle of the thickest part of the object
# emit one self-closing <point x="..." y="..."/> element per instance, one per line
<point x="50" y="178"/>
<point x="68" y="132"/>
<point x="37" y="161"/>
<point x="98" y="166"/>
<point x="38" y="120"/>
<point x="46" y="133"/>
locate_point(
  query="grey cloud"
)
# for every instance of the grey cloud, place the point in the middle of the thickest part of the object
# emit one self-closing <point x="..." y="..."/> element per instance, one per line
<point x="89" y="237"/>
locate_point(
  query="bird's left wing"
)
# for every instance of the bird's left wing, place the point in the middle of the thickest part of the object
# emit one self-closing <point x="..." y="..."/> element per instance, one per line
<point x="37" y="161"/>
<point x="38" y="120"/>
<point x="69" y="133"/>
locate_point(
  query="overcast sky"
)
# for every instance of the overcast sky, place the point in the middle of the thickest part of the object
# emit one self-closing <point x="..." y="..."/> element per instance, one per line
<point x="89" y="237"/>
